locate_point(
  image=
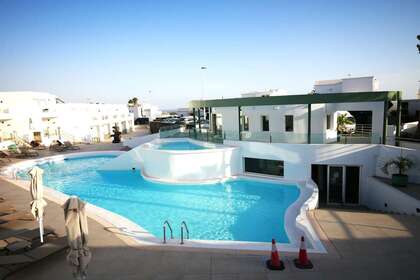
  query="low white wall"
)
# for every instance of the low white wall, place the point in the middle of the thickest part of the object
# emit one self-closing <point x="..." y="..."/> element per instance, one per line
<point x="133" y="142"/>
<point x="383" y="197"/>
<point x="176" y="165"/>
<point x="390" y="152"/>
<point x="298" y="158"/>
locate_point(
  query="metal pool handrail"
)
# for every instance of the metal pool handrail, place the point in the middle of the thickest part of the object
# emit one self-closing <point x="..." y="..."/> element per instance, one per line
<point x="184" y="225"/>
<point x="164" y="231"/>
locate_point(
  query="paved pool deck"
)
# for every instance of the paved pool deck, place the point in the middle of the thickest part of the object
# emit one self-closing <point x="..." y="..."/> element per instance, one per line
<point x="361" y="245"/>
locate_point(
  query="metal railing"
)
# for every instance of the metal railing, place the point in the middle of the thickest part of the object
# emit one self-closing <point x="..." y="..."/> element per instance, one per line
<point x="361" y="135"/>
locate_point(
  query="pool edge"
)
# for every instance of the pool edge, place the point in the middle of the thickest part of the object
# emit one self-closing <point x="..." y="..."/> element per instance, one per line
<point x="142" y="237"/>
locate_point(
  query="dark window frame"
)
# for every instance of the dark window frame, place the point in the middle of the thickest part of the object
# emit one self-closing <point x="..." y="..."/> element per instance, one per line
<point x="264" y="166"/>
<point x="329" y="121"/>
<point x="265" y="123"/>
<point x="289" y="127"/>
<point x="245" y="123"/>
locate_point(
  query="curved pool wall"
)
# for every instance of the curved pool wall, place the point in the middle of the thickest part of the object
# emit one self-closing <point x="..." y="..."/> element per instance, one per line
<point x="215" y="162"/>
<point x="296" y="220"/>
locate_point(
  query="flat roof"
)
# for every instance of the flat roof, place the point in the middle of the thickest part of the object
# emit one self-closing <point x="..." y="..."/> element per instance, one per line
<point x="341" y="97"/>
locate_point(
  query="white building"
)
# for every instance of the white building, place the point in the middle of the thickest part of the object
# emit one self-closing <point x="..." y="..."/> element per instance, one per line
<point x="287" y="121"/>
<point x="44" y="117"/>
<point x="350" y="84"/>
<point x="88" y="122"/>
<point x="268" y="92"/>
<point x="28" y="115"/>
<point x="144" y="110"/>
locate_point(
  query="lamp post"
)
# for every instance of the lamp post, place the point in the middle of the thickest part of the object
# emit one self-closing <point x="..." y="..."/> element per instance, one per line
<point x="203" y="68"/>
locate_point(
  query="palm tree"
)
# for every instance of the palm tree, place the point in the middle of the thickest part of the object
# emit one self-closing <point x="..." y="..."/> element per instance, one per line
<point x="133" y="101"/>
<point x="342" y="121"/>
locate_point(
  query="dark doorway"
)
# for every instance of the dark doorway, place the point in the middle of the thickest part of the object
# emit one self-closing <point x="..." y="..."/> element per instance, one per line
<point x="320" y="177"/>
<point x="335" y="188"/>
<point x="352" y="184"/>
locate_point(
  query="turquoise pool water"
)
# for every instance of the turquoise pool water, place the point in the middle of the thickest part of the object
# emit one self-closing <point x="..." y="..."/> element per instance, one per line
<point x="180" y="145"/>
<point x="241" y="210"/>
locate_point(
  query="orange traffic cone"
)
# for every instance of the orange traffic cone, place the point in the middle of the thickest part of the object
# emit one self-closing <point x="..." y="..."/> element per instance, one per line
<point x="274" y="263"/>
<point x="303" y="262"/>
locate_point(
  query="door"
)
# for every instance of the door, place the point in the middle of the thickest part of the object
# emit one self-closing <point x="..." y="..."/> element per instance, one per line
<point x="37" y="137"/>
<point x="352" y="185"/>
<point x="319" y="174"/>
<point x="343" y="184"/>
<point x="335" y="184"/>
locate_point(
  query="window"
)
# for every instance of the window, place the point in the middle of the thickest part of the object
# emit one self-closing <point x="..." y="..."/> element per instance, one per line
<point x="264" y="166"/>
<point x="245" y="123"/>
<point x="289" y="122"/>
<point x="328" y="121"/>
<point x="265" y="123"/>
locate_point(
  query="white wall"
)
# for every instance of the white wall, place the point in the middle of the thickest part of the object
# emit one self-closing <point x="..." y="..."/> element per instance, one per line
<point x="352" y="84"/>
<point x="29" y="112"/>
<point x="390" y="152"/>
<point x="381" y="196"/>
<point x="298" y="158"/>
<point x="377" y="109"/>
<point x="84" y="121"/>
<point x="136" y="141"/>
<point x="359" y="84"/>
<point x="175" y="165"/>
<point x="229" y="120"/>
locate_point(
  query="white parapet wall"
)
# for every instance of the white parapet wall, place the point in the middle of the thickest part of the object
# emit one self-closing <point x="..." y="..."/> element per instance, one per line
<point x="384" y="197"/>
<point x="213" y="163"/>
<point x="133" y="142"/>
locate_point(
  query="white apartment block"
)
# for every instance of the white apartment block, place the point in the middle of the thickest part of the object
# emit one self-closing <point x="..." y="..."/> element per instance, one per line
<point x="87" y="122"/>
<point x="43" y="117"/>
<point x="350" y="84"/>
<point x="145" y="110"/>
<point x="289" y="121"/>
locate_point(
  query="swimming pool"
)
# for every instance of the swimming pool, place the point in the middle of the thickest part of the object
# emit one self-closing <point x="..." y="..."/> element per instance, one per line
<point x="237" y="209"/>
<point x="180" y="145"/>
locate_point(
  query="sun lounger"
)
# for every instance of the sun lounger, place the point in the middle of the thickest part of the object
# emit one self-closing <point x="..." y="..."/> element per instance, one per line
<point x="19" y="252"/>
<point x="70" y="146"/>
<point x="57" y="148"/>
<point x="6" y="154"/>
<point x="26" y="152"/>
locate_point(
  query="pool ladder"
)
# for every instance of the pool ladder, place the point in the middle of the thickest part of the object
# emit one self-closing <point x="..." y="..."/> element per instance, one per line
<point x="164" y="230"/>
<point x="183" y="226"/>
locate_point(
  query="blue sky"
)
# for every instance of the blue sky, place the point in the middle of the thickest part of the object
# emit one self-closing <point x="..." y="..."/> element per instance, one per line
<point x="110" y="51"/>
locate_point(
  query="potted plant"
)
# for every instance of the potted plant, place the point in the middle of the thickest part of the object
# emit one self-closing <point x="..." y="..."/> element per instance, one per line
<point x="403" y="164"/>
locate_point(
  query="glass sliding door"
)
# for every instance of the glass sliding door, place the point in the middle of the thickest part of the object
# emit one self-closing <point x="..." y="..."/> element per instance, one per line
<point x="335" y="184"/>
